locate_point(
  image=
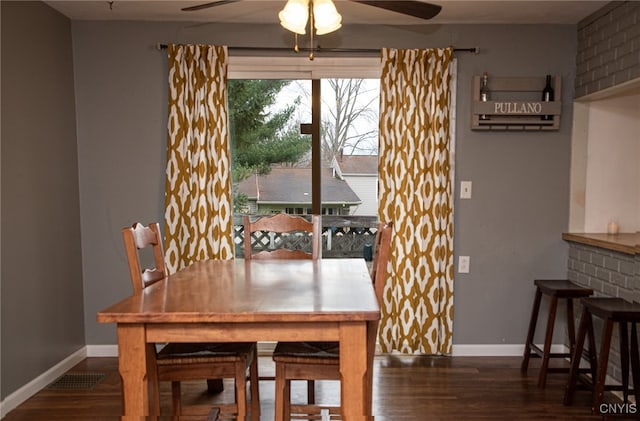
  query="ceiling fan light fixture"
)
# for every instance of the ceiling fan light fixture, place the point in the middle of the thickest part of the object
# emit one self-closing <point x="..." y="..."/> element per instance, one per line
<point x="326" y="17"/>
<point x="294" y="16"/>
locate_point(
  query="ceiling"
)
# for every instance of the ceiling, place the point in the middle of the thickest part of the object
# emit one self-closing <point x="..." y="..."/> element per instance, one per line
<point x="266" y="11"/>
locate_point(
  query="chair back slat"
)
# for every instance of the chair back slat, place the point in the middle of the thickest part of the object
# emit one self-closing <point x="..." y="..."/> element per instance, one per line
<point x="282" y="224"/>
<point x="136" y="238"/>
<point x="281" y="254"/>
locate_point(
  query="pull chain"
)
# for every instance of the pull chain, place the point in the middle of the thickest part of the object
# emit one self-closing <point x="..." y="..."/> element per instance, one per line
<point x="311" y="24"/>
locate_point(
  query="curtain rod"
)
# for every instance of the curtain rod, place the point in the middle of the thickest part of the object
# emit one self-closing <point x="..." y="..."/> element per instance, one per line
<point x="320" y="49"/>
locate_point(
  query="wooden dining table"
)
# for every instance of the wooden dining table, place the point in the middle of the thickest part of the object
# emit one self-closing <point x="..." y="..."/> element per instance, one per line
<point x="251" y="301"/>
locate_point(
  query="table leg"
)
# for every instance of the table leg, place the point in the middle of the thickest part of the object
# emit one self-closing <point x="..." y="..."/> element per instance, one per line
<point x="372" y="340"/>
<point x="133" y="359"/>
<point x="355" y="386"/>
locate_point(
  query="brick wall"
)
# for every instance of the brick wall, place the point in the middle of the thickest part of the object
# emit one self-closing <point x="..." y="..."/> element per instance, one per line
<point x="608" y="47"/>
<point x="610" y="274"/>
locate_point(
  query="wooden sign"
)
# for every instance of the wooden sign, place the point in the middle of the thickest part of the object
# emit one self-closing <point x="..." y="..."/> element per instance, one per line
<point x="502" y="112"/>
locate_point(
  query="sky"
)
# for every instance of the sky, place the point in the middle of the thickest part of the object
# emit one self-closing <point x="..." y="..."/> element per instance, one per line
<point x="302" y="89"/>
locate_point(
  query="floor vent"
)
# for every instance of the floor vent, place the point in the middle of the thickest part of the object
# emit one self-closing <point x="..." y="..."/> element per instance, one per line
<point x="77" y="381"/>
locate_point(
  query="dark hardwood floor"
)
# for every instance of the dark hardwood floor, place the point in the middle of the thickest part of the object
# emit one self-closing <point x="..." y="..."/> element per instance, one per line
<point x="405" y="389"/>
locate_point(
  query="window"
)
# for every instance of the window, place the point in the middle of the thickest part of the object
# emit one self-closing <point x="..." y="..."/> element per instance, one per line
<point x="349" y="136"/>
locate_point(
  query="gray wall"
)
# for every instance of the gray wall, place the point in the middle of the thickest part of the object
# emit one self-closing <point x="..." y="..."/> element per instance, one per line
<point x="511" y="227"/>
<point x="42" y="302"/>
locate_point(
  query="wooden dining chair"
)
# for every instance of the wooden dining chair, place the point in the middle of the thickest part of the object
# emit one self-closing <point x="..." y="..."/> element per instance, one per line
<point x="177" y="362"/>
<point x="261" y="236"/>
<point x="321" y="360"/>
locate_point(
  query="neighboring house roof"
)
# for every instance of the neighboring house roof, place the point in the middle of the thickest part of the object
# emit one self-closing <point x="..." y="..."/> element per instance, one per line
<point x="356" y="164"/>
<point x="293" y="186"/>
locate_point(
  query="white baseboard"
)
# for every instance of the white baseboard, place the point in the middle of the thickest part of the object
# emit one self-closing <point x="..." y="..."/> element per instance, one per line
<point x="102" y="350"/>
<point x="25" y="392"/>
<point x="501" y="350"/>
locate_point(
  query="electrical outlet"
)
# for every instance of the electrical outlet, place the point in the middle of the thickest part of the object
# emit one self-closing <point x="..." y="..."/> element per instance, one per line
<point x="465" y="190"/>
<point x="463" y="264"/>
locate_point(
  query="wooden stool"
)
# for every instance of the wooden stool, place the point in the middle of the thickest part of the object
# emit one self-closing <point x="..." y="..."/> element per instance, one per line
<point x="611" y="310"/>
<point x="555" y="289"/>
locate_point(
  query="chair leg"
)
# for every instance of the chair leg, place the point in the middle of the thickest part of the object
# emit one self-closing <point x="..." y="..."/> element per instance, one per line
<point x="241" y="390"/>
<point x="176" y="398"/>
<point x="154" y="386"/>
<point x="287" y="400"/>
<point x="532" y="330"/>
<point x="279" y="392"/>
<point x="548" y="339"/>
<point x="311" y="392"/>
<point x="215" y="386"/>
<point x="598" y="390"/>
<point x="576" y="357"/>
<point x="255" y="389"/>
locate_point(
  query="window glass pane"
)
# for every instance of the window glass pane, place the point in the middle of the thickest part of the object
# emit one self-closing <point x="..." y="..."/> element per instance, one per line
<point x="267" y="150"/>
<point x="350" y="144"/>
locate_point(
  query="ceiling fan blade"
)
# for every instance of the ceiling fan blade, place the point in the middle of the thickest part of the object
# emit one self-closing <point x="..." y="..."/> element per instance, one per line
<point x="207" y="5"/>
<point x="412" y="8"/>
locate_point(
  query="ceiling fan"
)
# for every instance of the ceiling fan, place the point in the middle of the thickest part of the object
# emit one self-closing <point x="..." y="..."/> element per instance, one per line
<point x="414" y="8"/>
<point x="323" y="16"/>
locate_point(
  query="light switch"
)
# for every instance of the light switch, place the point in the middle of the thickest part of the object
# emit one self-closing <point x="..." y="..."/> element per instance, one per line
<point x="463" y="264"/>
<point x="465" y="190"/>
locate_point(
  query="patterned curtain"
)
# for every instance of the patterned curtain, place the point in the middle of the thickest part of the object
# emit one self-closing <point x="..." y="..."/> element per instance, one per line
<point x="416" y="194"/>
<point x="198" y="211"/>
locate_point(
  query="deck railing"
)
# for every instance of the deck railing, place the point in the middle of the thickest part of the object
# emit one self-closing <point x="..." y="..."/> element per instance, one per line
<point x="342" y="236"/>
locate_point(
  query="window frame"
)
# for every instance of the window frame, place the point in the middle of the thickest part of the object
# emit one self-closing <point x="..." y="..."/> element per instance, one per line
<point x="254" y="67"/>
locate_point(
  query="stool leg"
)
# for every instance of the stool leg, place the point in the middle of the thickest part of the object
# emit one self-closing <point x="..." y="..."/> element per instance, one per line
<point x="571" y="326"/>
<point x="635" y="362"/>
<point x="624" y="359"/>
<point x="548" y="339"/>
<point x="593" y="358"/>
<point x="532" y="330"/>
<point x="598" y="390"/>
<point x="576" y="357"/>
